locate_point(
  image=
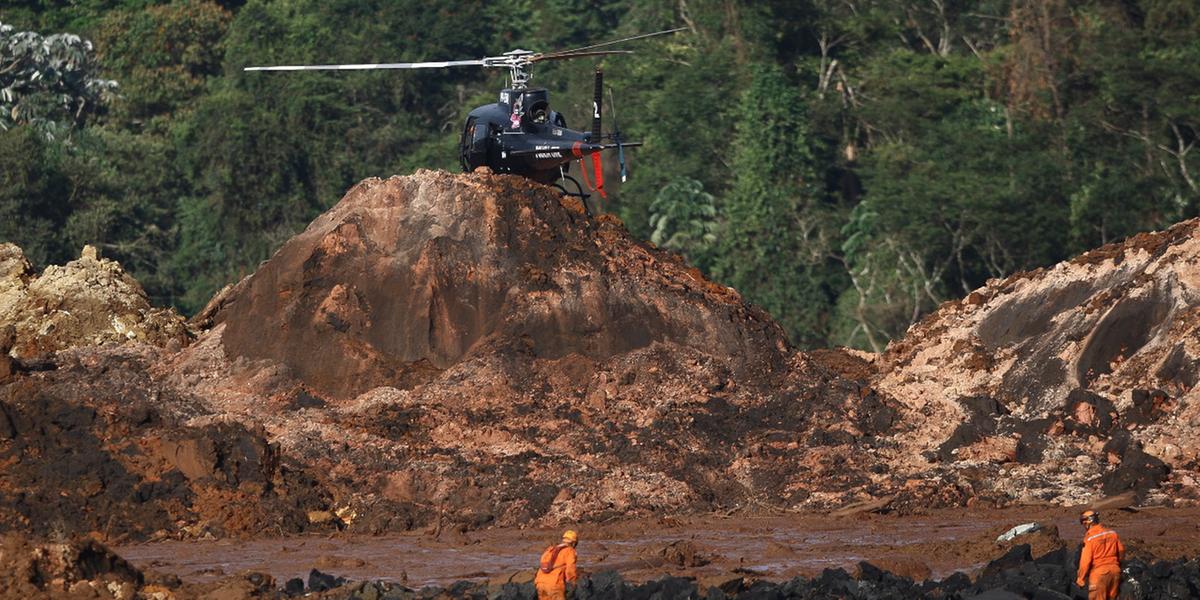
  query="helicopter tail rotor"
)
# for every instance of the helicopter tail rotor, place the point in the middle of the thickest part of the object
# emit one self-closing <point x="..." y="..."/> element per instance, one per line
<point x="616" y="136"/>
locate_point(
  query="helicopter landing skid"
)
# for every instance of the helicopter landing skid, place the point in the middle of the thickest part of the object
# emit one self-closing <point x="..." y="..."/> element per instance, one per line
<point x="578" y="193"/>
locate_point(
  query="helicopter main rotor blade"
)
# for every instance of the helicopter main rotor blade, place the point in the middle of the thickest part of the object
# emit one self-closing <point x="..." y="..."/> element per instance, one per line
<point x="369" y="66"/>
<point x="564" y="56"/>
<point x="628" y="39"/>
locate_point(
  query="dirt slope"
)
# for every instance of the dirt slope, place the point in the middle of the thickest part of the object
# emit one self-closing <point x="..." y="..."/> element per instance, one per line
<point x="407" y="277"/>
<point x="1050" y="384"/>
<point x="475" y="347"/>
<point x="462" y="351"/>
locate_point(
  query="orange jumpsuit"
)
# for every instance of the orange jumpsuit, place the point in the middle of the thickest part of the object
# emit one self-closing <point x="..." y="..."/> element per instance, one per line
<point x="557" y="567"/>
<point x="1102" y="556"/>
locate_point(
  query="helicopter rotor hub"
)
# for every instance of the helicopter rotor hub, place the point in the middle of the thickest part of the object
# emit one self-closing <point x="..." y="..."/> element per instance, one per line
<point x="517" y="62"/>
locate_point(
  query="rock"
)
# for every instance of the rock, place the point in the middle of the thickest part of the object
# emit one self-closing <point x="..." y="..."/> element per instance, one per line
<point x="1045" y="594"/>
<point x="1137" y="472"/>
<point x="908" y="567"/>
<point x="1013" y="559"/>
<point x="1018" y="530"/>
<point x="294" y="587"/>
<point x="15" y="273"/>
<point x="29" y="569"/>
<point x="684" y="554"/>
<point x="453" y="352"/>
<point x="1148" y="406"/>
<point x="320" y="582"/>
<point x="728" y="583"/>
<point x="1063" y="346"/>
<point x="997" y="594"/>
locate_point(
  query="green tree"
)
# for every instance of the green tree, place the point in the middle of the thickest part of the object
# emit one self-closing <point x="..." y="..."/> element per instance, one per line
<point x="955" y="194"/>
<point x="780" y="232"/>
<point x="33" y="207"/>
<point x="163" y="56"/>
<point x="684" y="218"/>
<point x="1133" y="122"/>
<point x="50" y="82"/>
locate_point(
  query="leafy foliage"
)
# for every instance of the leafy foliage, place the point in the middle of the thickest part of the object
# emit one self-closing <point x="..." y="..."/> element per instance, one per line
<point x="847" y="164"/>
<point x="684" y="218"/>
<point x="777" y="239"/>
<point x="48" y="82"/>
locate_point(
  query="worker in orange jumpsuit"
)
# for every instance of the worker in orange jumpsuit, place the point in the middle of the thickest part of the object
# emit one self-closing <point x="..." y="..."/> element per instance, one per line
<point x="1100" y="563"/>
<point x="557" y="568"/>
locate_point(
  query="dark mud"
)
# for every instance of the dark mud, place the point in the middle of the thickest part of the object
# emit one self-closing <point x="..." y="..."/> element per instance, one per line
<point x="763" y="548"/>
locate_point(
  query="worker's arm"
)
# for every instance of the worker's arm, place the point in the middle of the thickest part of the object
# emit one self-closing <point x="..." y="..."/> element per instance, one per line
<point x="1085" y="564"/>
<point x="569" y="568"/>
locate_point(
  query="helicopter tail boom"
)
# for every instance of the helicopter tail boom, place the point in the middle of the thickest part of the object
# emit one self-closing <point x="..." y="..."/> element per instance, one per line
<point x="573" y="151"/>
<point x="597" y="104"/>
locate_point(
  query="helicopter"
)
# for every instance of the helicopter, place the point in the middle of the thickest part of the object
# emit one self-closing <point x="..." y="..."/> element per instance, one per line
<point x="520" y="134"/>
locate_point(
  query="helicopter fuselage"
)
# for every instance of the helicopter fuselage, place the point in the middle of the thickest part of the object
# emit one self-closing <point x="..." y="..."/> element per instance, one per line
<point x="520" y="134"/>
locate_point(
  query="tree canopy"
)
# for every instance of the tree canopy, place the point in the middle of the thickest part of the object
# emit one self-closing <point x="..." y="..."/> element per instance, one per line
<point x="846" y="164"/>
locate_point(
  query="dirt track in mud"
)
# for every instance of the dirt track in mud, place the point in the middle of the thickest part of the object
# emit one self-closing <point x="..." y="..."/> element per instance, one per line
<point x="772" y="548"/>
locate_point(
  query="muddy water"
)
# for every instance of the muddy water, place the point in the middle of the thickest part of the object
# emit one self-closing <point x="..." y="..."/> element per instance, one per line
<point x="769" y="547"/>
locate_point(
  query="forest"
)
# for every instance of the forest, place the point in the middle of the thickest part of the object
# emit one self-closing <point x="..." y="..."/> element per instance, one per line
<point x="847" y="165"/>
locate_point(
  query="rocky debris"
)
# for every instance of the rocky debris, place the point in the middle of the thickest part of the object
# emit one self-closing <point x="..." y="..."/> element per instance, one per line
<point x="1054" y="384"/>
<point x="454" y="352"/>
<point x="84" y="568"/>
<point x="473" y="350"/>
<point x="1015" y="575"/>
<point x="78" y="568"/>
<point x="118" y="456"/>
<point x="87" y="302"/>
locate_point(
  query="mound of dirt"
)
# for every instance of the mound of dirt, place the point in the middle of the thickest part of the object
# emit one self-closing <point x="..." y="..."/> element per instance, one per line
<point x="453" y="352"/>
<point x="1054" y="384"/>
<point x="476" y="349"/>
<point x="407" y="277"/>
<point x="97" y="446"/>
<point x="80" y="568"/>
<point x="87" y="302"/>
<point x="84" y="568"/>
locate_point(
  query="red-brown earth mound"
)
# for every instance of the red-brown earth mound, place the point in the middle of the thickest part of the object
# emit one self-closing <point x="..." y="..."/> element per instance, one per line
<point x="476" y="347"/>
<point x="473" y="350"/>
<point x="408" y="277"/>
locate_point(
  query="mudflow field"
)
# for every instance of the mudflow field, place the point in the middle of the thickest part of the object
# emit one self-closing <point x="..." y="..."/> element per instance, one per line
<point x="442" y="361"/>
